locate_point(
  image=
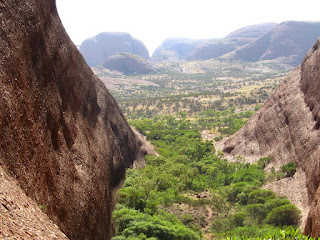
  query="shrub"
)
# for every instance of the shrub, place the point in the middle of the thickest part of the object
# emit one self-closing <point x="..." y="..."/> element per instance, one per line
<point x="261" y="196"/>
<point x="287" y="214"/>
<point x="238" y="219"/>
<point x="263" y="162"/>
<point x="289" y="169"/>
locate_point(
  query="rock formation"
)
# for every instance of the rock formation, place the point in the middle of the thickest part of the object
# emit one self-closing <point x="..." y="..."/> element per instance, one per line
<point x="216" y="48"/>
<point x="252" y="31"/>
<point x="203" y="49"/>
<point x="63" y="138"/>
<point x="173" y="49"/>
<point x="286" y="128"/>
<point x="128" y="64"/>
<point x="286" y="43"/>
<point x="97" y="49"/>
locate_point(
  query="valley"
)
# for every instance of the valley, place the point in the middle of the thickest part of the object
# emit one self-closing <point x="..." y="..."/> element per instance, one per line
<point x="190" y="191"/>
<point x="206" y="139"/>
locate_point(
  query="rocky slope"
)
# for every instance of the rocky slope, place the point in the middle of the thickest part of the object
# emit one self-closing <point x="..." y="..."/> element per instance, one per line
<point x="203" y="49"/>
<point x="287" y="43"/>
<point x="216" y="48"/>
<point x="63" y="138"/>
<point x="21" y="217"/>
<point x="128" y="64"/>
<point x="97" y="49"/>
<point x="287" y="129"/>
<point x="175" y="49"/>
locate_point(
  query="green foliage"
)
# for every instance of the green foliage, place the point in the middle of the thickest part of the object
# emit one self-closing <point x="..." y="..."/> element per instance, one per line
<point x="263" y="162"/>
<point x="261" y="196"/>
<point x="266" y="232"/>
<point x="133" y="224"/>
<point x="289" y="169"/>
<point x="188" y="165"/>
<point x="256" y="211"/>
<point x="284" y="215"/>
<point x="238" y="219"/>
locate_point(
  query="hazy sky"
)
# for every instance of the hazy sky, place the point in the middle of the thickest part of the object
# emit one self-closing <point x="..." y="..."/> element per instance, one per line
<point x="152" y="21"/>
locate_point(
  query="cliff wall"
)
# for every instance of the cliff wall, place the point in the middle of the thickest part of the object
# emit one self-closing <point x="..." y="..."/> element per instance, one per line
<point x="286" y="128"/>
<point x="62" y="135"/>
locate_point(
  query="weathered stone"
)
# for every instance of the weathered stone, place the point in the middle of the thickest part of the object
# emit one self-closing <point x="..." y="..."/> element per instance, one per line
<point x="62" y="135"/>
<point x="286" y="128"/>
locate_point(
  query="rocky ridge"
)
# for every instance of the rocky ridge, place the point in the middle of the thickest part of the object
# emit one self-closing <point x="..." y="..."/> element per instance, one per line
<point x="218" y="47"/>
<point x="287" y="43"/>
<point x="64" y="142"/>
<point x="286" y="128"/>
<point x="203" y="49"/>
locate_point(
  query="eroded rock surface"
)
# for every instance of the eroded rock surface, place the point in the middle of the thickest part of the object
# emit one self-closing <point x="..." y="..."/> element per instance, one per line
<point x="62" y="135"/>
<point x="287" y="129"/>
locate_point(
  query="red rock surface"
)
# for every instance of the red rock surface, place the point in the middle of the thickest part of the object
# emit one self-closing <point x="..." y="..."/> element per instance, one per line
<point x="62" y="135"/>
<point x="287" y="129"/>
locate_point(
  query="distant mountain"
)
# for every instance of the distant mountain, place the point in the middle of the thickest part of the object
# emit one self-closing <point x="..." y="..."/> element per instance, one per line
<point x="252" y="31"/>
<point x="128" y="63"/>
<point x="176" y="49"/>
<point x="202" y="49"/>
<point x="287" y="43"/>
<point x="97" y="49"/>
<point x="218" y="47"/>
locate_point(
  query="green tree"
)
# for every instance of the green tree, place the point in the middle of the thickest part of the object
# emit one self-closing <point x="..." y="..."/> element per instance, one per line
<point x="287" y="214"/>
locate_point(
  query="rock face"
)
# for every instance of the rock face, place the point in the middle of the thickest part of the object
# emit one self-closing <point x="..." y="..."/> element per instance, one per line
<point x="286" y="43"/>
<point x="287" y="129"/>
<point x="97" y="49"/>
<point x="62" y="135"/>
<point x="128" y="64"/>
<point x="20" y="216"/>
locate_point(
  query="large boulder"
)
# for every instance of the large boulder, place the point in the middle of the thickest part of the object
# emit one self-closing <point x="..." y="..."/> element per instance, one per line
<point x="63" y="138"/>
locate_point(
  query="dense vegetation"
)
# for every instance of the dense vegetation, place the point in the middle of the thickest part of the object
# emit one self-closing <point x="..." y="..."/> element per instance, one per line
<point x="191" y="192"/>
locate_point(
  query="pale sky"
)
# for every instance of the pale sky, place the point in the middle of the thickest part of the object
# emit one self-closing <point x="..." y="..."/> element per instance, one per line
<point x="152" y="21"/>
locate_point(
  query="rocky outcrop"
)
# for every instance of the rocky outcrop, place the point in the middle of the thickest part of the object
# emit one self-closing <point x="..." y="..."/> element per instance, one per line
<point x="287" y="129"/>
<point x="63" y="138"/>
<point x="97" y="49"/>
<point x="128" y="64"/>
<point x="286" y="43"/>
